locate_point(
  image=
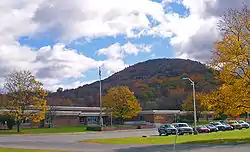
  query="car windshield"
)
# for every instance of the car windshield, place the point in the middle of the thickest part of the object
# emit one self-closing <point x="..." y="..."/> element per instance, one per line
<point x="241" y="121"/>
<point x="181" y="125"/>
<point x="168" y="126"/>
<point x="232" y="122"/>
<point x="217" y="123"/>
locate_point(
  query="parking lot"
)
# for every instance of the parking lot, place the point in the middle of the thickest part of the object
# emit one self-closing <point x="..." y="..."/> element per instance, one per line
<point x="215" y="126"/>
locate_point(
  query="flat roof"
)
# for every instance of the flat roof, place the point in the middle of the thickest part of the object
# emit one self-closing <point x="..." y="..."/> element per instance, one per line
<point x="160" y="112"/>
<point x="75" y="108"/>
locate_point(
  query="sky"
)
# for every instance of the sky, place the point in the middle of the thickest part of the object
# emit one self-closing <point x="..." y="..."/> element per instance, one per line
<point x="64" y="42"/>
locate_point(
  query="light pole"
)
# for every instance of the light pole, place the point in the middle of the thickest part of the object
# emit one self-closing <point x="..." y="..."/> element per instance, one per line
<point x="192" y="83"/>
<point x="100" y="80"/>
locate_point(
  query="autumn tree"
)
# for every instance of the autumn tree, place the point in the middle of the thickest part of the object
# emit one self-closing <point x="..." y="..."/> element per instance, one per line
<point x="188" y="105"/>
<point x="121" y="102"/>
<point x="231" y="57"/>
<point x="26" y="97"/>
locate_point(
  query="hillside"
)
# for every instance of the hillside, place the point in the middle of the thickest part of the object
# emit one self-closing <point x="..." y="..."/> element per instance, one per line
<point x="157" y="84"/>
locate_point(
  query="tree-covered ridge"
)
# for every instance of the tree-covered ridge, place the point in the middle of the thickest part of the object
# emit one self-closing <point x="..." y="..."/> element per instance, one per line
<point x="157" y="84"/>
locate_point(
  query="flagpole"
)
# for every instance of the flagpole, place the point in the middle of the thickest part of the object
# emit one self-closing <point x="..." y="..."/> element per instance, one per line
<point x="100" y="80"/>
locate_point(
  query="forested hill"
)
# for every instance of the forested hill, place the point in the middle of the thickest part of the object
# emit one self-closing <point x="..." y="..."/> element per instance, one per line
<point x="157" y="84"/>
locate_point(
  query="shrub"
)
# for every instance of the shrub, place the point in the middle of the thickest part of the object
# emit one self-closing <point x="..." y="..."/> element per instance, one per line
<point x="10" y="123"/>
<point x="94" y="128"/>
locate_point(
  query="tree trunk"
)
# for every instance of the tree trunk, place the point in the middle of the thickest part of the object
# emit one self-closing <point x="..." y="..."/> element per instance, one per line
<point x="18" y="126"/>
<point x="121" y="121"/>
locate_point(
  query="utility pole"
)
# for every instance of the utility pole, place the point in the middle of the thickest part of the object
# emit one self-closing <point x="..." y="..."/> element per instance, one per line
<point x="195" y="115"/>
<point x="111" y="119"/>
<point x="100" y="76"/>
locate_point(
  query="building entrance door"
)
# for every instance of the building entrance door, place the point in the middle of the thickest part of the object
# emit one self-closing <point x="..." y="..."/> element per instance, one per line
<point x="92" y="120"/>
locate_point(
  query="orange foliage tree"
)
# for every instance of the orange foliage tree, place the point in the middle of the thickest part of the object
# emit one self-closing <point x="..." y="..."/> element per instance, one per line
<point x="231" y="58"/>
<point x="121" y="102"/>
<point x="26" y="97"/>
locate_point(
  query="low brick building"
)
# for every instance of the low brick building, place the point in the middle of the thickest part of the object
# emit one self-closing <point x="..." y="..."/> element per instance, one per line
<point x="75" y="116"/>
<point x="159" y="116"/>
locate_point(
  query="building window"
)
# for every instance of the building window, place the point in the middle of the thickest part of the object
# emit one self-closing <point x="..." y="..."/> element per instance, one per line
<point x="141" y="118"/>
<point x="81" y="120"/>
<point x="92" y="120"/>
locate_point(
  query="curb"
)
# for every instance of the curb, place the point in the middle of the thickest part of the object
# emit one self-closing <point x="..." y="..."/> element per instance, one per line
<point x="72" y="133"/>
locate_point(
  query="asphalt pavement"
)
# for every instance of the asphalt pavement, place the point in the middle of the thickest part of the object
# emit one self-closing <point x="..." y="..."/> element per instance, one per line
<point x="70" y="142"/>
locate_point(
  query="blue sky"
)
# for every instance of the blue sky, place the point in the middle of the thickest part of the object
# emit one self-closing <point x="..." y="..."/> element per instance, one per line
<point x="63" y="43"/>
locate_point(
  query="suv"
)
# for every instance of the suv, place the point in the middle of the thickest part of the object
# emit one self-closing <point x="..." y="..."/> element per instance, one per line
<point x="167" y="129"/>
<point x="183" y="128"/>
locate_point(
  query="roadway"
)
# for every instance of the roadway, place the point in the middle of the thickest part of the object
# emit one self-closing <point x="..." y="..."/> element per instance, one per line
<point x="70" y="142"/>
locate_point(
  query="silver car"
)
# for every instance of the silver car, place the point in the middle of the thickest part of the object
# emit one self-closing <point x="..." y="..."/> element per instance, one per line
<point x="183" y="128"/>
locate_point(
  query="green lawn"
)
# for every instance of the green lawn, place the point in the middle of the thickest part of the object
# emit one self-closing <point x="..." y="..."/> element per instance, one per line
<point x="46" y="130"/>
<point x="25" y="150"/>
<point x="237" y="136"/>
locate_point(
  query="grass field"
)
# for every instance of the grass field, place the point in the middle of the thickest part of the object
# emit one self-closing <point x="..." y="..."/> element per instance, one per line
<point x="25" y="150"/>
<point x="237" y="136"/>
<point x="46" y="130"/>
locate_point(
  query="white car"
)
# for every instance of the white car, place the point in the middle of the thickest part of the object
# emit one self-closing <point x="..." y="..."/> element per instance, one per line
<point x="183" y="128"/>
<point x="244" y="124"/>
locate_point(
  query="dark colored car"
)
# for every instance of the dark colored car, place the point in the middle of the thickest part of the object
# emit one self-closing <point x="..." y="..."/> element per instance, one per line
<point x="212" y="128"/>
<point x="227" y="126"/>
<point x="218" y="125"/>
<point x="235" y="124"/>
<point x="202" y="129"/>
<point x="167" y="129"/>
<point x="244" y="124"/>
<point x="183" y="128"/>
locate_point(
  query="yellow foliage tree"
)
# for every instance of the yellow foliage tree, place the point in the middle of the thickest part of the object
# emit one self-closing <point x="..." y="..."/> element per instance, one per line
<point x="26" y="97"/>
<point x="121" y="102"/>
<point x="232" y="59"/>
<point x="188" y="105"/>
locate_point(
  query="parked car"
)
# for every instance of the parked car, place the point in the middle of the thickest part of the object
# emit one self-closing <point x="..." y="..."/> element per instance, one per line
<point x="244" y="124"/>
<point x="183" y="128"/>
<point x="212" y="128"/>
<point x="202" y="129"/>
<point x="218" y="125"/>
<point x="227" y="126"/>
<point x="167" y="129"/>
<point x="235" y="124"/>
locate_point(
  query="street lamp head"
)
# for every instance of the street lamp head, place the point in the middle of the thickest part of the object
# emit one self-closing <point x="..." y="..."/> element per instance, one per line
<point x="185" y="78"/>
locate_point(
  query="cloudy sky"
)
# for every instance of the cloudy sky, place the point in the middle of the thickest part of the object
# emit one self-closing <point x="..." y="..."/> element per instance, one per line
<point x="64" y="41"/>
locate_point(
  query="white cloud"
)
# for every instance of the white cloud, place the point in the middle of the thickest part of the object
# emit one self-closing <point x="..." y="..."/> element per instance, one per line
<point x="116" y="54"/>
<point x="72" y="85"/>
<point x="50" y="64"/>
<point x="69" y="21"/>
<point x="116" y="51"/>
<point x="193" y="36"/>
<point x="61" y="62"/>
<point x="94" y="18"/>
<point x="114" y="65"/>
